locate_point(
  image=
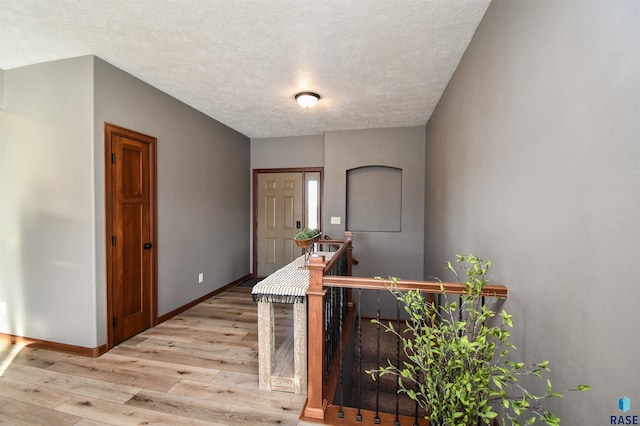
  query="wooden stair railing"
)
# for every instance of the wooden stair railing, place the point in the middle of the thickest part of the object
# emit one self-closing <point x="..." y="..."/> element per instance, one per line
<point x="335" y="244"/>
<point x="319" y="406"/>
<point x="316" y="402"/>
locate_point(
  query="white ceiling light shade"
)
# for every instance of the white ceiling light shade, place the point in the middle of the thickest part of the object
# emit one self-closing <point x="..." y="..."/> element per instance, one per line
<point x="307" y="99"/>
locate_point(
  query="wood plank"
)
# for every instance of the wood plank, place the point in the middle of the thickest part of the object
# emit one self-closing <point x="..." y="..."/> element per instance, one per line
<point x="273" y="401"/>
<point x="32" y="393"/>
<point x="123" y="415"/>
<point x="87" y="422"/>
<point x="212" y="327"/>
<point x="220" y="322"/>
<point x="191" y="334"/>
<point x="117" y="375"/>
<point x="205" y="350"/>
<point x="74" y="384"/>
<point x="300" y="347"/>
<point x="241" y="380"/>
<point x="134" y="340"/>
<point x="8" y="353"/>
<point x="210" y="410"/>
<point x="266" y="344"/>
<point x="284" y="358"/>
<point x="20" y="413"/>
<point x="39" y="358"/>
<point x="195" y="368"/>
<point x="174" y="371"/>
<point x="185" y="358"/>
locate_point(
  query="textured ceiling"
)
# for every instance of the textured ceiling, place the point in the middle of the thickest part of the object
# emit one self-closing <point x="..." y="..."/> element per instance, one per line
<point x="375" y="63"/>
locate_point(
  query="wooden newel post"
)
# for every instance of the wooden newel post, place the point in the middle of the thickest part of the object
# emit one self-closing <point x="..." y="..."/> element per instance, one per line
<point x="316" y="404"/>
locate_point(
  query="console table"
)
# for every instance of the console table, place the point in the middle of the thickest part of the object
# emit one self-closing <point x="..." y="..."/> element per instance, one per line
<point x="287" y="285"/>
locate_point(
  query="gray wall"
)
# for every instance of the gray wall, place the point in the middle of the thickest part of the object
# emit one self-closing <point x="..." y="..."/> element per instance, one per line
<point x="52" y="259"/>
<point x="533" y="161"/>
<point x="379" y="253"/>
<point x="294" y="151"/>
<point x="47" y="268"/>
<point x="203" y="182"/>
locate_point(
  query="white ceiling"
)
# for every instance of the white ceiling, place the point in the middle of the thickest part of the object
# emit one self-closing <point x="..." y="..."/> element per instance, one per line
<point x="376" y="63"/>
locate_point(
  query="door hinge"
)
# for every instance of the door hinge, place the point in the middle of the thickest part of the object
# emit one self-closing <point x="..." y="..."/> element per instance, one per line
<point x="113" y="157"/>
<point x="113" y="240"/>
<point x="114" y="321"/>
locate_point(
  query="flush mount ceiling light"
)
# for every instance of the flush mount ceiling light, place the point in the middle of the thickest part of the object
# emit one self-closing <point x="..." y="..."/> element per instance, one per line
<point x="307" y="99"/>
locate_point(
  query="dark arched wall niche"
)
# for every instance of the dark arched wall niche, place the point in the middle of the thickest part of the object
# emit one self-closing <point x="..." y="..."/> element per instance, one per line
<point x="374" y="199"/>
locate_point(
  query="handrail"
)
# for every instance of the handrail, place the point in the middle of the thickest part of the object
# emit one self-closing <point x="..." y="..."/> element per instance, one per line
<point x="330" y="241"/>
<point x="435" y="287"/>
<point x="335" y="243"/>
<point x="329" y="264"/>
<point x="316" y="405"/>
<point x="344" y="246"/>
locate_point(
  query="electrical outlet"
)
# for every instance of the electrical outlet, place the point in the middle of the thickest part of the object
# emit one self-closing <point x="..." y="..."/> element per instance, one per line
<point x="336" y="220"/>
<point x="201" y="277"/>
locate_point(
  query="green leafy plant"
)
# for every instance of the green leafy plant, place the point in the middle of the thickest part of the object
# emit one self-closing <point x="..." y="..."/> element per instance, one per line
<point x="458" y="367"/>
<point x="307" y="234"/>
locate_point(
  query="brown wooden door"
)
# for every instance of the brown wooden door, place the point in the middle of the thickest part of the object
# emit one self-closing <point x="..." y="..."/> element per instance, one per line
<point x="131" y="233"/>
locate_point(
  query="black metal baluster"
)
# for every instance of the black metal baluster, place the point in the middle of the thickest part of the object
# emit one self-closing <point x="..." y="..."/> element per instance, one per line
<point x="334" y="327"/>
<point x="336" y="323"/>
<point x="328" y="331"/>
<point x="359" y="415"/>
<point x="326" y="335"/>
<point x="397" y="420"/>
<point x="376" y="419"/>
<point x="335" y="313"/>
<point x="345" y="308"/>
<point x="340" y="412"/>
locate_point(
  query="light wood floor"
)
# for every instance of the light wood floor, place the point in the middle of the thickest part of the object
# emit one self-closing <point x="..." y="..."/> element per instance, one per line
<point x="200" y="367"/>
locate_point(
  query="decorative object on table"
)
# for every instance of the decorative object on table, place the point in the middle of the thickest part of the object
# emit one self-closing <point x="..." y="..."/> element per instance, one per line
<point x="305" y="240"/>
<point x="459" y="369"/>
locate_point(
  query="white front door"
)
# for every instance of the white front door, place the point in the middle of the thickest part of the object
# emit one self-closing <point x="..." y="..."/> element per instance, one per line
<point x="280" y="205"/>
